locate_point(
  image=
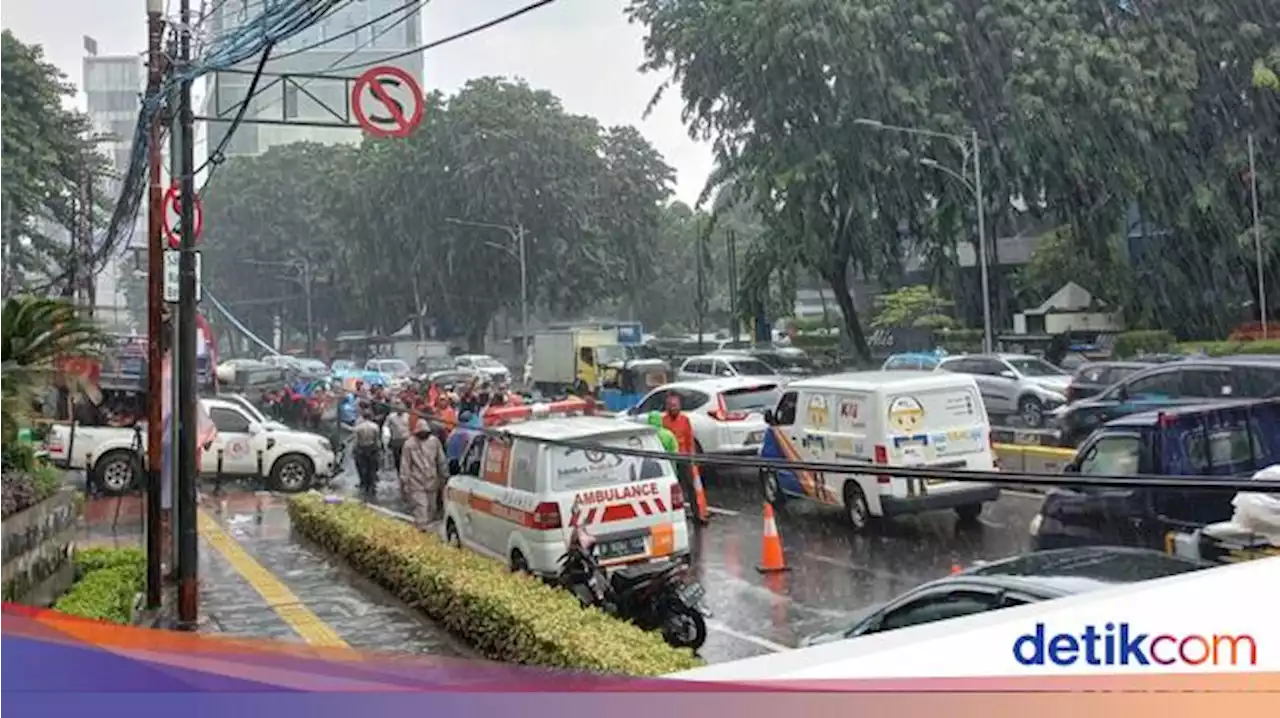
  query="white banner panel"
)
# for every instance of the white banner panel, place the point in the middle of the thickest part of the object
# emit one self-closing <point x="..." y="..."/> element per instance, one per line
<point x="1220" y="620"/>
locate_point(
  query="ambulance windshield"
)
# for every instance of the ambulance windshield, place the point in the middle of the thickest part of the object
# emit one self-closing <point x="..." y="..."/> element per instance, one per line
<point x="577" y="469"/>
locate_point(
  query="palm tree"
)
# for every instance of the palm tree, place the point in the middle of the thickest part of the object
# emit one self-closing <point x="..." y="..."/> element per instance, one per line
<point x="36" y="331"/>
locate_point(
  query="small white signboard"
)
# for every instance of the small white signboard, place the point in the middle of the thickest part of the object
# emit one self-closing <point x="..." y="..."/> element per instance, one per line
<point x="172" y="258"/>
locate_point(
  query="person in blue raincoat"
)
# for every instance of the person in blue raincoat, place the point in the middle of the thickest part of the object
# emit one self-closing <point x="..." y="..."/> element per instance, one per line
<point x="348" y="410"/>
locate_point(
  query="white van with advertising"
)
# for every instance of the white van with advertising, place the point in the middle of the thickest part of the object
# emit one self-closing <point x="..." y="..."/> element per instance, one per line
<point x="517" y="499"/>
<point x="890" y="418"/>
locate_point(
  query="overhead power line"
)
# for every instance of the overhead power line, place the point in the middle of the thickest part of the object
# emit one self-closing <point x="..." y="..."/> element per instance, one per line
<point x="445" y="40"/>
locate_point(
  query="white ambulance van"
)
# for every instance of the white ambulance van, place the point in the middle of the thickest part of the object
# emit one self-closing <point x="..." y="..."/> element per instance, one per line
<point x="518" y="498"/>
<point x="892" y="418"/>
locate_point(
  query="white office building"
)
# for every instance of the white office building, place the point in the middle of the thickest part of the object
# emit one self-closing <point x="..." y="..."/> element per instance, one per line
<point x="281" y="108"/>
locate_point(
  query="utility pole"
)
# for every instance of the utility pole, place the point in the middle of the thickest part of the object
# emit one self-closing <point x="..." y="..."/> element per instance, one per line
<point x="732" y="240"/>
<point x="306" y="291"/>
<point x="185" y="411"/>
<point x="155" y="314"/>
<point x="698" y="260"/>
<point x="988" y="341"/>
<point x="1257" y="240"/>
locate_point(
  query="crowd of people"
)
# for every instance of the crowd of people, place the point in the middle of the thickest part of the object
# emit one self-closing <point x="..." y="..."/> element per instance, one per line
<point x="407" y="427"/>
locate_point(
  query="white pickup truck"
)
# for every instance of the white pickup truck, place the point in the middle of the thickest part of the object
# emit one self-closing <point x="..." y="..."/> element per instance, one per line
<point x="248" y="446"/>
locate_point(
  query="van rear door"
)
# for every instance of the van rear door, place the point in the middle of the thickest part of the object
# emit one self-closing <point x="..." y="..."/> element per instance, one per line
<point x="943" y="428"/>
<point x="627" y="503"/>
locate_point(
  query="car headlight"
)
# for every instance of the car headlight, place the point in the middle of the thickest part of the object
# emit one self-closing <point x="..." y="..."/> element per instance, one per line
<point x="1052" y="397"/>
<point x="1035" y="524"/>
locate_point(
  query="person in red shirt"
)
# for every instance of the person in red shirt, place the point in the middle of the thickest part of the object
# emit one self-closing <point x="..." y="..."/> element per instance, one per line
<point x="678" y="424"/>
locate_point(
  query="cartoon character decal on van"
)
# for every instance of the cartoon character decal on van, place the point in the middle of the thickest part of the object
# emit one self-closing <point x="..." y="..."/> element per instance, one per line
<point x="906" y="415"/>
<point x="819" y="412"/>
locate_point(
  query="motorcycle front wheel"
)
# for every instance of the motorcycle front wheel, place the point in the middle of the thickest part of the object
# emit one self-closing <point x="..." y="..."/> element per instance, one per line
<point x="684" y="627"/>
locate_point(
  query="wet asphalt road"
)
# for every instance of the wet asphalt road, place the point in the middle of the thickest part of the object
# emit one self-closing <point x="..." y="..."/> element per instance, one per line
<point x="835" y="574"/>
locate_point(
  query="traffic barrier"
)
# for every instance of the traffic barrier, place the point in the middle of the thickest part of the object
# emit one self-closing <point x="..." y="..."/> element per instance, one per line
<point x="771" y="558"/>
<point x="1032" y="459"/>
<point x="1025" y="437"/>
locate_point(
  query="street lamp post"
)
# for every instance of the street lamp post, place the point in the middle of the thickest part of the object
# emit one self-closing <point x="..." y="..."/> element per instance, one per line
<point x="969" y="145"/>
<point x="517" y="235"/>
<point x="1257" y="240"/>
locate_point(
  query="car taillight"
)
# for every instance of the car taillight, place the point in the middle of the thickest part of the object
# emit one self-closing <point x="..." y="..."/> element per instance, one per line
<point x="720" y="413"/>
<point x="882" y="458"/>
<point x="546" y="516"/>
<point x="677" y="498"/>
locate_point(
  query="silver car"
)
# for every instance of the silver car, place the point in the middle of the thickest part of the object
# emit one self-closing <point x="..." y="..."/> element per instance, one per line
<point x="726" y="365"/>
<point x="1014" y="384"/>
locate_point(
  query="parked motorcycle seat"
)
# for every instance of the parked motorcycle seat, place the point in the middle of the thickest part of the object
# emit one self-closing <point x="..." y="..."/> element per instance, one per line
<point x="629" y="576"/>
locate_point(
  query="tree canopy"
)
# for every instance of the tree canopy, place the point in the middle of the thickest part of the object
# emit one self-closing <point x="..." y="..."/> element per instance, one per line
<point x="430" y="223"/>
<point x="1084" y="111"/>
<point x="44" y="156"/>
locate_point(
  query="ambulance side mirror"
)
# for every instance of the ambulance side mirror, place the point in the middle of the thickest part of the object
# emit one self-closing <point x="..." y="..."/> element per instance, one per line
<point x="769" y="417"/>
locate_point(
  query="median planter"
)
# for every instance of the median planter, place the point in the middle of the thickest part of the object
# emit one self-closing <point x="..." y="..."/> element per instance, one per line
<point x="37" y="549"/>
<point x="108" y="585"/>
<point x="506" y="616"/>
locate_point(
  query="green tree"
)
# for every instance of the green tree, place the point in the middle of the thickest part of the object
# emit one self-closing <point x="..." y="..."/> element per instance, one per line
<point x="396" y="227"/>
<point x="44" y="155"/>
<point x="34" y="332"/>
<point x="915" y="307"/>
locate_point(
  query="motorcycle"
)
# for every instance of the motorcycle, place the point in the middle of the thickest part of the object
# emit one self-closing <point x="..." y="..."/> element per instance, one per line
<point x="653" y="597"/>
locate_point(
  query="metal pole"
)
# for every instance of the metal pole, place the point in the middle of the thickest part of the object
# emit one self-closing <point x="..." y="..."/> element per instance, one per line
<point x="1257" y="240"/>
<point x="188" y="586"/>
<point x="698" y="251"/>
<point x="987" y="340"/>
<point x="155" y="315"/>
<point x="524" y="293"/>
<point x="306" y="291"/>
<point x="731" y="239"/>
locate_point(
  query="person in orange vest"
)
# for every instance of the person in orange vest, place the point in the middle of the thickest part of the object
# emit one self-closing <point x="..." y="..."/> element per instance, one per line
<point x="678" y="424"/>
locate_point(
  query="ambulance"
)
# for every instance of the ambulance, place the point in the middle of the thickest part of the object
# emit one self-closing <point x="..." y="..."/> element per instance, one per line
<point x="891" y="418"/>
<point x="517" y="498"/>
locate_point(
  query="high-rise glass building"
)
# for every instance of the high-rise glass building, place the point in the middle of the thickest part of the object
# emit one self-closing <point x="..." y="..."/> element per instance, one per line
<point x="113" y="86"/>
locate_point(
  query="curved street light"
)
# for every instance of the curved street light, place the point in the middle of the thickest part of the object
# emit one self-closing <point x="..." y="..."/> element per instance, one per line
<point x="968" y="145"/>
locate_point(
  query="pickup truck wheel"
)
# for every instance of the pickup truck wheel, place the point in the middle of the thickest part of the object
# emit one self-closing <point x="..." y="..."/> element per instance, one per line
<point x="116" y="472"/>
<point x="292" y="473"/>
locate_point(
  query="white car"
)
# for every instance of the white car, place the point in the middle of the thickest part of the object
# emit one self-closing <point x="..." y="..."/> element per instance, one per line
<point x="725" y="365"/>
<point x="517" y="500"/>
<point x="1020" y="384"/>
<point x="490" y="368"/>
<point x="727" y="415"/>
<point x="246" y="447"/>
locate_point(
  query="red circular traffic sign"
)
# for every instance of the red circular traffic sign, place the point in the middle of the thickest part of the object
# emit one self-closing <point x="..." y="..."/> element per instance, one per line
<point x="375" y="87"/>
<point x="173" y="216"/>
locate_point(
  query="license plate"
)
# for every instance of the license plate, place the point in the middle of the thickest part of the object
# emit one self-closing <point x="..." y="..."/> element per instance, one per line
<point x="621" y="548"/>
<point x="692" y="593"/>
<point x="755" y="437"/>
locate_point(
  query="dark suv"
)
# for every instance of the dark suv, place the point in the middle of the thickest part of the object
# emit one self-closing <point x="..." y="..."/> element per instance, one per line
<point x="1192" y="381"/>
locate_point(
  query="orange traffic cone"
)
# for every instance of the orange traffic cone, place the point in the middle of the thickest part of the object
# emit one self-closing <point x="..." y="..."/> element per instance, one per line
<point x="700" y="498"/>
<point x="771" y="560"/>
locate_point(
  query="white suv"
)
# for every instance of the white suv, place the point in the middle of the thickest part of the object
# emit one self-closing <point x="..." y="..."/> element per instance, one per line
<point x="727" y="415"/>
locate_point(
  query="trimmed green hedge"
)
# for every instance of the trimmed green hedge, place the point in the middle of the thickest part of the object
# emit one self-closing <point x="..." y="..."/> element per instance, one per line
<point x="1143" y="341"/>
<point x="1228" y="348"/>
<point x="506" y="616"/>
<point x="107" y="585"/>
